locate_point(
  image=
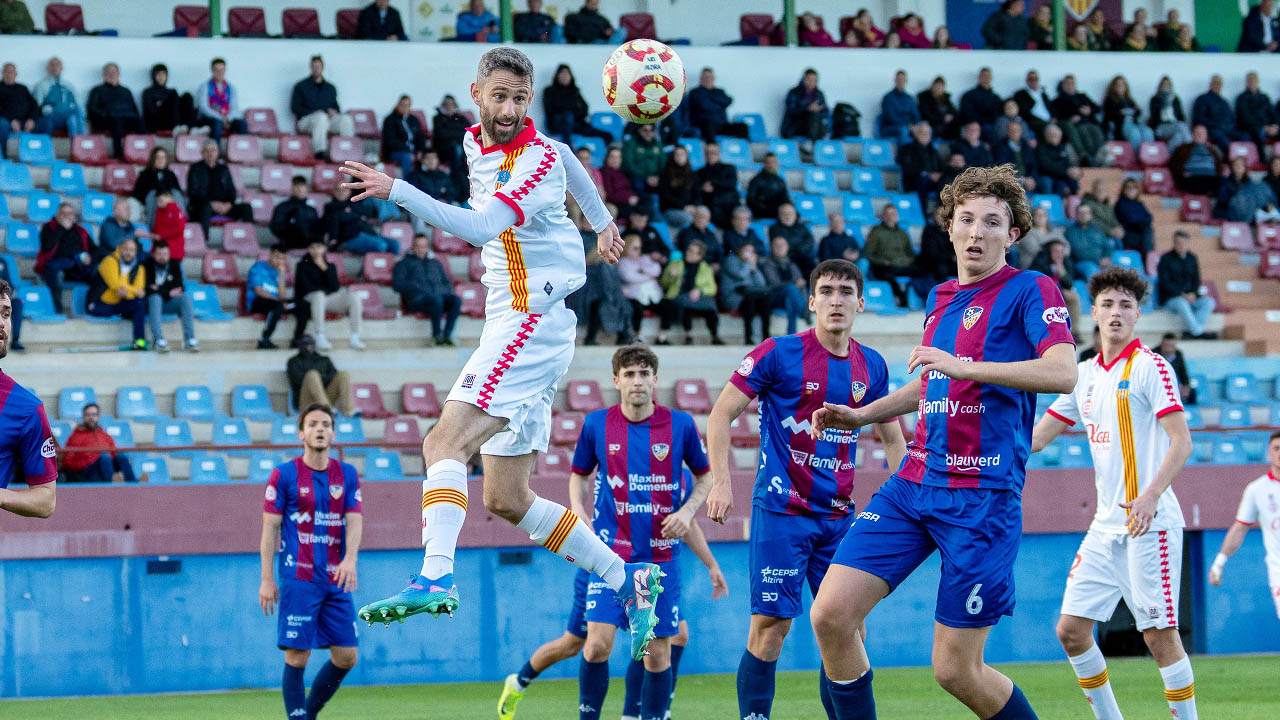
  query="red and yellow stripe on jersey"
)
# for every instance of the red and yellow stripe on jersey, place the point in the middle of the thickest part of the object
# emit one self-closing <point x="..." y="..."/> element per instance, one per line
<point x="1124" y="421"/>
<point x="515" y="259"/>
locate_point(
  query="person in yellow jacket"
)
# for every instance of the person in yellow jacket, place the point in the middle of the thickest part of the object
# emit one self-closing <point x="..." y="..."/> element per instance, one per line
<point x="120" y="290"/>
<point x="689" y="285"/>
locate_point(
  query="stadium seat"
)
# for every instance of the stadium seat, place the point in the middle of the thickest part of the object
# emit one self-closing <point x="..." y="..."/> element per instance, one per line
<point x="172" y="432"/>
<point x="377" y="267"/>
<point x="16" y="178"/>
<point x="372" y="308"/>
<point x="66" y="178"/>
<point x="368" y="400"/>
<point x="193" y="402"/>
<point x="1196" y="208"/>
<point x="35" y="149"/>
<point x="61" y="430"/>
<point x="300" y="23"/>
<point x="349" y="430"/>
<point x="22" y="240"/>
<point x="192" y="18"/>
<point x="155" y="467"/>
<point x="809" y="208"/>
<point x="63" y="19"/>
<point x="1129" y="259"/>
<point x="37" y="303"/>
<point x="1269" y="235"/>
<point x="401" y="232"/>
<point x="1120" y="155"/>
<point x="737" y="152"/>
<point x="261" y="122"/>
<point x="79" y="300"/>
<point x="1238" y="236"/>
<point x="261" y="465"/>
<point x="1153" y="154"/>
<point x="1157" y="181"/>
<point x="382" y="465"/>
<point x="1202" y="448"/>
<point x="71" y="401"/>
<point x="820" y="181"/>
<point x="788" y="152"/>
<point x="241" y="238"/>
<point x="692" y="396"/>
<point x="137" y="148"/>
<point x="1269" y="264"/>
<point x="473" y="296"/>
<point x="276" y="178"/>
<point x="402" y="430"/>
<point x="4" y="209"/>
<point x="1195" y="417"/>
<point x="755" y="126"/>
<point x="867" y="181"/>
<point x="595" y="144"/>
<point x="204" y="302"/>
<point x="552" y="465"/>
<point x="41" y="206"/>
<point x="664" y="232"/>
<point x="244" y="149"/>
<point x="909" y="213"/>
<point x="261" y="203"/>
<point x="1254" y="444"/>
<point x="697" y="156"/>
<point x="879" y="298"/>
<point x="1247" y="150"/>
<point x="296" y="150"/>
<point x="96" y="206"/>
<point x="186" y="148"/>
<point x="877" y="153"/>
<point x="325" y="178"/>
<point x="284" y="430"/>
<point x="638" y="25"/>
<point x="741" y="434"/>
<point x="1233" y="416"/>
<point x="246" y="22"/>
<point x="136" y="402"/>
<point x="252" y="402"/>
<point x="1242" y="388"/>
<point x="231" y="431"/>
<point x="420" y="399"/>
<point x="208" y="468"/>
<point x="830" y="154"/>
<point x="1075" y="452"/>
<point x="121" y="431"/>
<point x="1228" y="450"/>
<point x="608" y="121"/>
<point x="1053" y="205"/>
<point x="583" y="396"/>
<point x="89" y="150"/>
<point x="219" y="268"/>
<point x="348" y="22"/>
<point x="11" y="267"/>
<point x="343" y="148"/>
<point x="758" y="27"/>
<point x="119" y="178"/>
<point x="858" y="210"/>
<point x="565" y="427"/>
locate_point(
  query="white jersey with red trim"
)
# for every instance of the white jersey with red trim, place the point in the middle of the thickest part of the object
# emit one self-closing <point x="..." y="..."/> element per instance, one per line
<point x="539" y="261"/>
<point x="1120" y="406"/>
<point x="1260" y="506"/>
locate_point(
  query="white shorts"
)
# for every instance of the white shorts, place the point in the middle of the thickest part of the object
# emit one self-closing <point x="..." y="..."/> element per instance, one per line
<point x="514" y="372"/>
<point x="1145" y="571"/>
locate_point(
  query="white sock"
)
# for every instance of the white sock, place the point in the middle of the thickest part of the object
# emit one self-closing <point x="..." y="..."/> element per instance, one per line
<point x="1180" y="689"/>
<point x="1091" y="669"/>
<point x="444" y="508"/>
<point x="560" y="531"/>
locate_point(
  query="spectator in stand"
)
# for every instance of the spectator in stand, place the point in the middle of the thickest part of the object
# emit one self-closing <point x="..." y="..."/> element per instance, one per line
<point x="1197" y="165"/>
<point x="889" y="251"/>
<point x="476" y="22"/>
<point x="639" y="274"/>
<point x="430" y="179"/>
<point x="700" y="231"/>
<point x="1079" y="118"/>
<point x="15" y="19"/>
<point x="1168" y="349"/>
<point x="708" y="109"/>
<point x="119" y="288"/>
<point x="112" y="109"/>
<point x="601" y="303"/>
<point x="970" y="145"/>
<point x="741" y="233"/>
<point x="800" y="242"/>
<point x="346" y="227"/>
<point x="1215" y="113"/>
<point x="534" y="26"/>
<point x="165" y="293"/>
<point x="212" y="192"/>
<point x="1136" y="39"/>
<point x="1017" y="151"/>
<point x="921" y="166"/>
<point x="892" y="40"/>
<point x="1186" y="41"/>
<point x="898" y="110"/>
<point x="447" y="127"/>
<point x="937" y="109"/>
<point x="942" y="38"/>
<point x="1054" y="261"/>
<point x="19" y="111"/>
<point x="117" y="228"/>
<point x="955" y="166"/>
<point x="379" y="21"/>
<point x="868" y="34"/>
<point x="1243" y="199"/>
<point x="1104" y="213"/>
<point x="57" y="100"/>
<point x="840" y="243"/>
<point x="160" y="105"/>
<point x="677" y="188"/>
<point x="1037" y="238"/>
<point x="1255" y="116"/>
<point x="643" y="158"/>
<point x="1006" y="28"/>
<point x="293" y="222"/>
<point x="264" y="292"/>
<point x="104" y="467"/>
<point x="170" y="225"/>
<point x="850" y="39"/>
<point x="403" y="138"/>
<point x="617" y="186"/>
<point x="315" y="105"/>
<point x="718" y="184"/>
<point x="1178" y="288"/>
<point x="567" y="110"/>
<point x="936" y="262"/>
<point x="1091" y="352"/>
<point x="1140" y="17"/>
<point x="583" y="154"/>
<point x="806" y="112"/>
<point x="1090" y="247"/>
<point x="689" y="289"/>
<point x="767" y="190"/>
<point x="1009" y="117"/>
<point x="1034" y="106"/>
<point x="219" y="106"/>
<point x="587" y="25"/>
<point x="1166" y="118"/>
<point x="155" y="178"/>
<point x="744" y="290"/>
<point x="424" y="286"/>
<point x="1097" y="24"/>
<point x="1054" y="163"/>
<point x="787" y="285"/>
<point x="65" y="253"/>
<point x="1167" y="36"/>
<point x="1272" y="178"/>
<point x="316" y="290"/>
<point x="912" y="32"/>
<point x="1040" y="28"/>
<point x="1122" y="115"/>
<point x="811" y="33"/>
<point x="1260" y="31"/>
<point x="314" y="379"/>
<point x="1134" y="218"/>
<point x="651" y="241"/>
<point x="981" y="104"/>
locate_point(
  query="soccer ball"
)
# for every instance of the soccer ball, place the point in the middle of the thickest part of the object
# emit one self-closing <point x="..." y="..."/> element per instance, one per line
<point x="643" y="81"/>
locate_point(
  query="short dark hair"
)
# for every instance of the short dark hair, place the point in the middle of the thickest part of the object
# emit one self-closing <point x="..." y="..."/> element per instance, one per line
<point x="280" y="248"/>
<point x="1168" y="336"/>
<point x="636" y="354"/>
<point x="90" y="405"/>
<point x="1274" y="435"/>
<point x="315" y="58"/>
<point x="314" y="407"/>
<point x="159" y="245"/>
<point x="836" y="269"/>
<point x="6" y="289"/>
<point x="216" y="61"/>
<point x="1124" y="279"/>
<point x="299" y="180"/>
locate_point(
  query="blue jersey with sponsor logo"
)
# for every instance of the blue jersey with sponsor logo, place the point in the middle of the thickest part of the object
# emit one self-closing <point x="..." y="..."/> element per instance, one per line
<point x="28" y="452"/>
<point x="793" y="376"/>
<point x="638" y="477"/>
<point x="972" y="434"/>
<point x="314" y="505"/>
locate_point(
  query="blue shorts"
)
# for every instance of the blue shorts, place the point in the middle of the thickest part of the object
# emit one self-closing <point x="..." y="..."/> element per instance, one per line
<point x="603" y="605"/>
<point x="578" y="615"/>
<point x="977" y="532"/>
<point x="787" y="550"/>
<point x="315" y="615"/>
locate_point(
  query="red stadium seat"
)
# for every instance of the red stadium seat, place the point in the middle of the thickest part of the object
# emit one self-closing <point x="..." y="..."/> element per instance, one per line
<point x="1120" y="154"/>
<point x="261" y="122"/>
<point x="472" y="295"/>
<point x="262" y="204"/>
<point x="420" y="399"/>
<point x="402" y="429"/>
<point x="584" y="396"/>
<point x="137" y="148"/>
<point x="372" y="302"/>
<point x="297" y="150"/>
<point x="219" y="268"/>
<point x="343" y="148"/>
<point x="1196" y="208"/>
<point x="195" y="245"/>
<point x="422" y="121"/>
<point x="1269" y="265"/>
<point x="241" y="238"/>
<point x="1269" y="236"/>
<point x="553" y="465"/>
<point x="756" y="26"/>
<point x="1153" y="154"/>
<point x="192" y="18"/>
<point x="1157" y="181"/>
<point x="1238" y="236"/>
<point x="186" y="148"/>
<point x="348" y="20"/>
<point x="180" y="170"/>
<point x="244" y="149"/>
<point x="367" y="399"/>
<point x="377" y="268"/>
<point x="366" y="124"/>
<point x="447" y="244"/>
<point x="401" y="232"/>
<point x="741" y="434"/>
<point x="639" y="26"/>
<point x="300" y="23"/>
<point x="1248" y="151"/>
<point x="318" y="201"/>
<point x="335" y="259"/>
<point x="246" y="22"/>
<point x="324" y="178"/>
<point x="89" y="150"/>
<point x="276" y="178"/>
<point x="118" y="178"/>
<point x="565" y="426"/>
<point x="692" y="396"/>
<point x="475" y="268"/>
<point x="63" y="18"/>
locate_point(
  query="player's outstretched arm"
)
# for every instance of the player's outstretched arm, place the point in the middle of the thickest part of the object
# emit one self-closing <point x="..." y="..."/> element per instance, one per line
<point x="731" y="403"/>
<point x="268" y="593"/>
<point x="346" y="576"/>
<point x="677" y="523"/>
<point x="1046" y="430"/>
<point x="895" y="445"/>
<point x="1143" y="508"/>
<point x="1230" y="544"/>
<point x="842" y="417"/>
<point x="1053" y="372"/>
<point x="580" y="497"/>
<point x="37" y="502"/>
<point x="697" y="543"/>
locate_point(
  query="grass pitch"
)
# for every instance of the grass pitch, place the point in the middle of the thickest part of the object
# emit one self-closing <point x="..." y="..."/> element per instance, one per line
<point x="1240" y="688"/>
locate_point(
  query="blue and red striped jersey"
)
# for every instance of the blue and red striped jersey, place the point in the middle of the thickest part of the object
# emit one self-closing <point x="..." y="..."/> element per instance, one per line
<point x="793" y="375"/>
<point x="28" y="452"/>
<point x="638" y="477"/>
<point x="978" y="435"/>
<point x="314" y="504"/>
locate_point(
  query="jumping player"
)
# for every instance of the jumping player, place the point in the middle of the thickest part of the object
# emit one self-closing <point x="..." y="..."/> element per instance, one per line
<point x="500" y="406"/>
<point x="313" y="504"/>
<point x="28" y="452"/>
<point x="1127" y="400"/>
<point x="1259" y="507"/>
<point x="992" y="339"/>
<point x="800" y="506"/>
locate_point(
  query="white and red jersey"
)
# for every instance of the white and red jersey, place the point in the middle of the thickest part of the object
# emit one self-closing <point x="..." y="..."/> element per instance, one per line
<point x="1260" y="506"/>
<point x="540" y="260"/>
<point x="1120" y="405"/>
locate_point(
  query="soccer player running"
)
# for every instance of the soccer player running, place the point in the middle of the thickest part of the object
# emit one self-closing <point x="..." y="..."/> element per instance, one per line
<point x="1128" y="402"/>
<point x="312" y="503"/>
<point x="992" y="339"/>
<point x="28" y="452"/>
<point x="500" y="406"/>
<point x="800" y="505"/>
<point x="1259" y="507"/>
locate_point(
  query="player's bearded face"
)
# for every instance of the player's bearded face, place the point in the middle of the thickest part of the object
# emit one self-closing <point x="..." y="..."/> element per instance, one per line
<point x="981" y="233"/>
<point x="503" y="100"/>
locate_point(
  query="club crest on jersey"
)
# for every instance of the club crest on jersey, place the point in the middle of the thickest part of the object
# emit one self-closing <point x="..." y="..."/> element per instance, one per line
<point x="859" y="390"/>
<point x="271" y="493"/>
<point x="971" y="317"/>
<point x="335" y="491"/>
<point x="504" y="177"/>
<point x="660" y="451"/>
<point x="748" y="363"/>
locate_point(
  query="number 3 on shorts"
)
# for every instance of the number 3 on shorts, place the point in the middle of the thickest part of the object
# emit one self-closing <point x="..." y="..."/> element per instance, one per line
<point x="973" y="604"/>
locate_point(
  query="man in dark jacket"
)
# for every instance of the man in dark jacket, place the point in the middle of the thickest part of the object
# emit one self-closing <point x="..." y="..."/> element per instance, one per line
<point x="65" y="253"/>
<point x="718" y="182"/>
<point x="18" y="109"/>
<point x="1255" y="116"/>
<point x="1214" y="112"/>
<point x="293" y="221"/>
<point x="315" y="106"/>
<point x="314" y="379"/>
<point x="921" y="167"/>
<point x="975" y="151"/>
<point x="534" y="26"/>
<point x="212" y="192"/>
<point x="1006" y="28"/>
<point x="1078" y="115"/>
<point x="346" y="227"/>
<point x="741" y="233"/>
<point x="430" y="179"/>
<point x="801" y="247"/>
<point x="1178" y="288"/>
<point x="1259" y="31"/>
<point x="980" y="103"/>
<point x="1196" y="166"/>
<point x="112" y="109"/>
<point x="166" y="295"/>
<point x="447" y="128"/>
<point x="587" y="25"/>
<point x="403" y="138"/>
<point x="786" y="283"/>
<point x="899" y="110"/>
<point x="708" y="109"/>
<point x="380" y="21"/>
<point x="805" y="112"/>
<point x="1034" y="106"/>
<point x="700" y="231"/>
<point x="1015" y="150"/>
<point x="767" y="190"/>
<point x="425" y="287"/>
<point x="1054" y="164"/>
<point x="316" y="290"/>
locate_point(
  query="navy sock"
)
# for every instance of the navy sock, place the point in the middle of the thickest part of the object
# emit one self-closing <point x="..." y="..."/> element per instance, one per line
<point x="295" y="693"/>
<point x="676" y="652"/>
<point x="1016" y="709"/>
<point x="324" y="686"/>
<point x="656" y="695"/>
<point x="755" y="686"/>
<point x="634" y="685"/>
<point x="526" y="674"/>
<point x="854" y="701"/>
<point x="824" y="692"/>
<point x="593" y="685"/>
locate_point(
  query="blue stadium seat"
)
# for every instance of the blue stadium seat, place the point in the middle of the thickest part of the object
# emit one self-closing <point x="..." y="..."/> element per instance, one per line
<point x="1202" y="448"/>
<point x="97" y="206"/>
<point x="71" y="401"/>
<point x="1128" y="259"/>
<point x="1204" y="389"/>
<point x="810" y="208"/>
<point x="1195" y="418"/>
<point x="66" y="178"/>
<point x="208" y="468"/>
<point x="204" y="303"/>
<point x="755" y="126"/>
<point x="1051" y="456"/>
<point x="38" y="305"/>
<point x="231" y="431"/>
<point x="877" y="153"/>
<point x="41" y="206"/>
<point x="11" y="266"/>
<point x="820" y="181"/>
<point x="61" y="430"/>
<point x="155" y="467"/>
<point x="830" y="154"/>
<point x="1052" y="204"/>
<point x="909" y="213"/>
<point x="79" y="302"/>
<point x="193" y="402"/>
<point x="261" y="463"/>
<point x="121" y="431"/>
<point x="171" y="432"/>
<point x="597" y="145"/>
<point x="284" y="430"/>
<point x="896" y="382"/>
<point x="22" y="239"/>
<point x="1255" y="444"/>
<point x="735" y="151"/>
<point x="1234" y="416"/>
<point x="1275" y="415"/>
<point x="858" y="210"/>
<point x="879" y="297"/>
<point x="697" y="154"/>
<point x="136" y="402"/>
<point x="1242" y="388"/>
<point x="868" y="181"/>
<point x="664" y="231"/>
<point x="1075" y="452"/>
<point x="382" y="465"/>
<point x="608" y="121"/>
<point x="15" y="177"/>
<point x="1275" y="388"/>
<point x="35" y="149"/>
<point x="349" y="430"/>
<point x="788" y="152"/>
<point x="4" y="208"/>
<point x="254" y="403"/>
<point x="1228" y="450"/>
